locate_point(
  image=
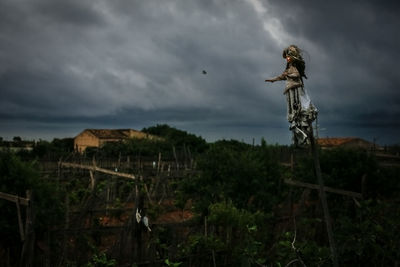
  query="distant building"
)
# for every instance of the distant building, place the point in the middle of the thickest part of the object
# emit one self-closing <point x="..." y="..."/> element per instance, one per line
<point x="16" y="145"/>
<point x="98" y="137"/>
<point x="346" y="142"/>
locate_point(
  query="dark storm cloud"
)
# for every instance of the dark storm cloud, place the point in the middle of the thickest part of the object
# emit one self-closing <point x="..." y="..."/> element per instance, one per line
<point x="356" y="41"/>
<point x="79" y="13"/>
<point x="69" y="65"/>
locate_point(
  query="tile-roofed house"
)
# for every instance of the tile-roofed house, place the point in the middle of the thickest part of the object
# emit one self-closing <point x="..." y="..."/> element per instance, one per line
<point x="347" y="142"/>
<point x="98" y="137"/>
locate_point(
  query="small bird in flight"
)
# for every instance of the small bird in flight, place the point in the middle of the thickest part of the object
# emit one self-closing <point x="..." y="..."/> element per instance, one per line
<point x="204" y="72"/>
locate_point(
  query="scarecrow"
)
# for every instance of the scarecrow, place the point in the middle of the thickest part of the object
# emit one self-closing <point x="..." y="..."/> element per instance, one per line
<point x="300" y="111"/>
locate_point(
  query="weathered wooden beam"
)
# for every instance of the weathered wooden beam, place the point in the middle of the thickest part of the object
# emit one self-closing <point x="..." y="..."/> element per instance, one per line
<point x="14" y="198"/>
<point x="92" y="180"/>
<point x="21" y="226"/>
<point x="324" y="202"/>
<point x="27" y="253"/>
<point x="326" y="188"/>
<point x="97" y="169"/>
<point x="388" y="164"/>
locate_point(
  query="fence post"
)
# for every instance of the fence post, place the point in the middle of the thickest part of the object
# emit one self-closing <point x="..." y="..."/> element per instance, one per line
<point x="327" y="217"/>
<point x="21" y="227"/>
<point x="28" y="246"/>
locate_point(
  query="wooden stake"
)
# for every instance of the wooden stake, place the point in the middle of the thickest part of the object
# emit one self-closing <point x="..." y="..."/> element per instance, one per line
<point x="14" y="198"/>
<point x="28" y="246"/>
<point x="159" y="163"/>
<point x="325" y="188"/>
<point x="176" y="158"/>
<point x="21" y="227"/>
<point x="147" y="191"/>
<point x="91" y="180"/>
<point x="327" y="217"/>
<point x="205" y="226"/>
<point x="94" y="168"/>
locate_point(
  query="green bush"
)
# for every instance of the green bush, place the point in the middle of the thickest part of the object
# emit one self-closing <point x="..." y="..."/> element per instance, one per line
<point x="16" y="177"/>
<point x="231" y="170"/>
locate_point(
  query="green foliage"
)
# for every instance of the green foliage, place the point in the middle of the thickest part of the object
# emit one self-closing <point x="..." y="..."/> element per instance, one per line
<point x="304" y="248"/>
<point x="226" y="214"/>
<point x="177" y="137"/>
<point x="17" y="139"/>
<point x="239" y="183"/>
<point x="383" y="184"/>
<point x="101" y="260"/>
<point x="237" y="192"/>
<point x="77" y="190"/>
<point x="172" y="264"/>
<point x="134" y="146"/>
<point x="242" y="232"/>
<point x="64" y="144"/>
<point x="42" y="148"/>
<point x="16" y="177"/>
<point x="238" y="233"/>
<point x="365" y="235"/>
<point x="199" y="243"/>
<point x="236" y="171"/>
<point x="345" y="169"/>
<point x="54" y="149"/>
<point x="370" y="236"/>
<point x="181" y="141"/>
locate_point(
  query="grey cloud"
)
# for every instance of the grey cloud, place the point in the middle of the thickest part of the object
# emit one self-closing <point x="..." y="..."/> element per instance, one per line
<point x="134" y="64"/>
<point x="357" y="40"/>
<point x="73" y="12"/>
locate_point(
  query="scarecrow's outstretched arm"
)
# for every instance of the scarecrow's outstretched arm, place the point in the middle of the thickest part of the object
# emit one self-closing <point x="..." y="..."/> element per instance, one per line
<point x="278" y="78"/>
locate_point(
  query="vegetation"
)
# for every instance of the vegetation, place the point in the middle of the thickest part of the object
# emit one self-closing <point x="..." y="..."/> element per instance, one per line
<point x="234" y="171"/>
<point x="239" y="193"/>
<point x="16" y="177"/>
<point x="178" y="138"/>
<point x="244" y="214"/>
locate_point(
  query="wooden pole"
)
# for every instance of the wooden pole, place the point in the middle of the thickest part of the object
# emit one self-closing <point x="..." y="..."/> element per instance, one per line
<point x="28" y="246"/>
<point x="97" y="169"/>
<point x="147" y="192"/>
<point x="66" y="227"/>
<point x="205" y="226"/>
<point x="137" y="226"/>
<point x="21" y="227"/>
<point x="18" y="201"/>
<point x="14" y="198"/>
<point x="327" y="217"/>
<point x="325" y="188"/>
<point x="185" y="156"/>
<point x="159" y="163"/>
<point x="176" y="158"/>
<point x="48" y="250"/>
<point x="59" y="172"/>
<point x="190" y="158"/>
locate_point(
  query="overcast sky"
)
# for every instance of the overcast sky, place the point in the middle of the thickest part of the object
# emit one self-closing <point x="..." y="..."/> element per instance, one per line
<point x="70" y="65"/>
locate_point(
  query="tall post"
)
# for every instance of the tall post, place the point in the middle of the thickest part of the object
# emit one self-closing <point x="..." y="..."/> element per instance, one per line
<point x="322" y="195"/>
<point x="137" y="226"/>
<point x="28" y="246"/>
<point x="21" y="227"/>
<point x="176" y="158"/>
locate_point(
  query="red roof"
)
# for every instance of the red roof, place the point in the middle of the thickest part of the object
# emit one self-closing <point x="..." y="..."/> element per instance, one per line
<point x="110" y="133"/>
<point x="340" y="141"/>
